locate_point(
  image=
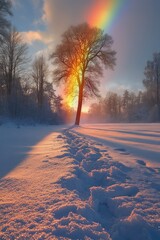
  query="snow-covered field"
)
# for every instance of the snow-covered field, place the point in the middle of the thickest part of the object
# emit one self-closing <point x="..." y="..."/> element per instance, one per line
<point x="89" y="182"/>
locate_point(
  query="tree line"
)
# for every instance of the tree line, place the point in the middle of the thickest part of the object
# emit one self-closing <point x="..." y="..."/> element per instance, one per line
<point x="143" y="106"/>
<point x="25" y="91"/>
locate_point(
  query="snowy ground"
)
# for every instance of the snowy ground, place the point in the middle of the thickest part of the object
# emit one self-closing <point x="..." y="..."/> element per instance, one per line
<point x="140" y="140"/>
<point x="91" y="182"/>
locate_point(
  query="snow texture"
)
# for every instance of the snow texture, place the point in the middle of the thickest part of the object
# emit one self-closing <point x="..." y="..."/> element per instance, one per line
<point x="80" y="183"/>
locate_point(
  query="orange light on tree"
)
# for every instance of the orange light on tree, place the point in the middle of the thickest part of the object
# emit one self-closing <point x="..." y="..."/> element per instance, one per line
<point x="79" y="61"/>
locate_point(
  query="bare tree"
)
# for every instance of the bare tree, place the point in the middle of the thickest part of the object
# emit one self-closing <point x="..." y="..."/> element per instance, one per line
<point x="152" y="77"/>
<point x="79" y="61"/>
<point x="5" y="11"/>
<point x="152" y="81"/>
<point x="39" y="74"/>
<point x="13" y="52"/>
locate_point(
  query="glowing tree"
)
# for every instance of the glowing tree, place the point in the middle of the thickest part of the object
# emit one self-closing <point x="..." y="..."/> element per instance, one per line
<point x="79" y="60"/>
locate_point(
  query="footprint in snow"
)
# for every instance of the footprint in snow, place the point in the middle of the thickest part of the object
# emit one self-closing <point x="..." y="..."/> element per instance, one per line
<point x="141" y="162"/>
<point x="156" y="186"/>
<point x="45" y="161"/>
<point x="64" y="211"/>
<point x="60" y="136"/>
<point x="104" y="150"/>
<point x="122" y="151"/>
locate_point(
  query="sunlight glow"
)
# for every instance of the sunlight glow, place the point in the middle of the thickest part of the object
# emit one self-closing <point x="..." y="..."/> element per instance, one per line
<point x="85" y="109"/>
<point x="71" y="91"/>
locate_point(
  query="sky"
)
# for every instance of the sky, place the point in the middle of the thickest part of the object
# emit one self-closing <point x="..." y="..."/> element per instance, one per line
<point x="133" y="25"/>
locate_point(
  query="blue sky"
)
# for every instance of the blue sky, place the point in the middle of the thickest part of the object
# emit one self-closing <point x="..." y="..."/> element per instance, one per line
<point x="136" y="33"/>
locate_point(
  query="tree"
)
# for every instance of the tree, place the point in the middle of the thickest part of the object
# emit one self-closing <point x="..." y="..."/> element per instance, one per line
<point x="79" y="61"/>
<point x="39" y="74"/>
<point x="112" y="105"/>
<point x="152" y="81"/>
<point x="5" y="10"/>
<point x="13" y="53"/>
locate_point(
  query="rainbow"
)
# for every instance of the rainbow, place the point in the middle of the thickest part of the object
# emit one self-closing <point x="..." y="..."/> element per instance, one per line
<point x="105" y="13"/>
<point x="102" y="14"/>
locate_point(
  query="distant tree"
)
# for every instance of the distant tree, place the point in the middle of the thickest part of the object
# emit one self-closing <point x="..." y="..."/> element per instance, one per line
<point x="80" y="58"/>
<point x="152" y="80"/>
<point x="5" y="11"/>
<point x="95" y="112"/>
<point x="49" y="104"/>
<point x="112" y="105"/>
<point x="39" y="74"/>
<point x="125" y="100"/>
<point x="57" y="103"/>
<point x="139" y="99"/>
<point x="13" y="52"/>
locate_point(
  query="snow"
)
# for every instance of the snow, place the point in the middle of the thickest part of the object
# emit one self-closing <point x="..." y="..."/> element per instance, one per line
<point x="140" y="140"/>
<point x="89" y="182"/>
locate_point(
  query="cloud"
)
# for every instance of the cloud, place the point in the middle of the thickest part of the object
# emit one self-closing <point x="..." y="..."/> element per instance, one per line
<point x="36" y="3"/>
<point x="58" y="15"/>
<point x="31" y="36"/>
<point x="48" y="11"/>
<point x="15" y="3"/>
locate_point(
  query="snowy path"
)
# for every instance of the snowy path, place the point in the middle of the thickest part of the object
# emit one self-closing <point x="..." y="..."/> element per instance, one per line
<point x="70" y="187"/>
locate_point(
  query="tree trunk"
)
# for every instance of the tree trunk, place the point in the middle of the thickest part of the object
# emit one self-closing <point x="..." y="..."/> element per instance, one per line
<point x="80" y="100"/>
<point x="79" y="108"/>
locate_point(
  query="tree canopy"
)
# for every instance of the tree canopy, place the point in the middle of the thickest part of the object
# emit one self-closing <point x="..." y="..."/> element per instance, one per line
<point x="79" y="60"/>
